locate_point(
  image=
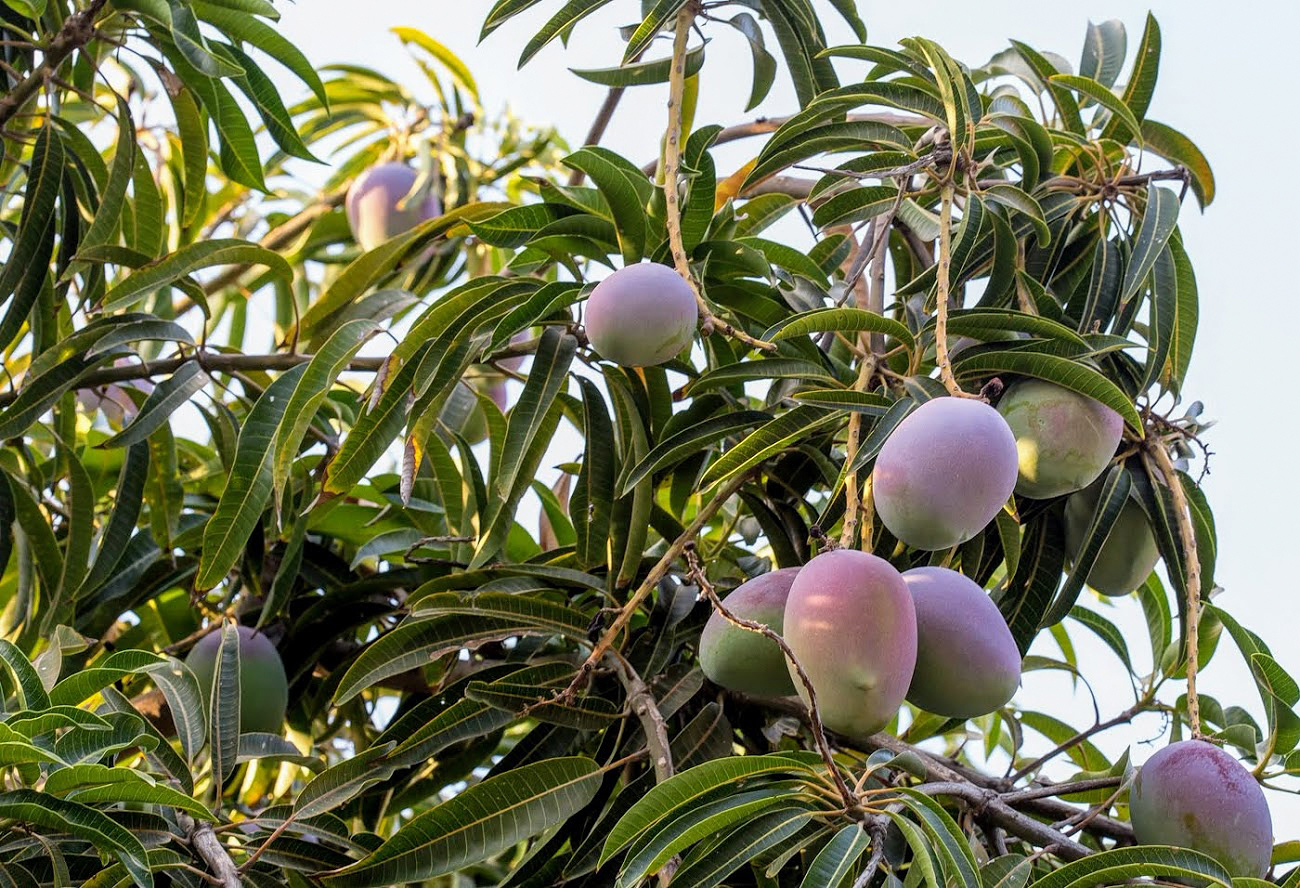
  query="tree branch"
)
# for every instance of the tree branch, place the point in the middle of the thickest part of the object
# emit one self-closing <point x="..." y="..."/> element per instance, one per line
<point x="206" y="844"/>
<point x="1187" y="538"/>
<point x="658" y="572"/>
<point x="77" y="31"/>
<point x="709" y="322"/>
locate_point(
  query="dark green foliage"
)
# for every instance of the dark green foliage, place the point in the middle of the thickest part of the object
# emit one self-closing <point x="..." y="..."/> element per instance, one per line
<point x="462" y="696"/>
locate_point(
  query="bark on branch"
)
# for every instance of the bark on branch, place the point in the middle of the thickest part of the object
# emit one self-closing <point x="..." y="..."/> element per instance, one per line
<point x="76" y="32"/>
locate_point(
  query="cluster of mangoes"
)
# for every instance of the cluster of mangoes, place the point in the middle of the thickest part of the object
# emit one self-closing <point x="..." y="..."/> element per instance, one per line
<point x="869" y="636"/>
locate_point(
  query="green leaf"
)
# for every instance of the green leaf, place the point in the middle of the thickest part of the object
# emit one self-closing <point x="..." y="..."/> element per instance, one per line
<point x="767" y="441"/>
<point x="187" y="260"/>
<point x="417" y="642"/>
<point x="593" y="495"/>
<point x="223" y="715"/>
<point x="238" y="24"/>
<point x="1118" y="865"/>
<point x="193" y="134"/>
<point x="315" y="383"/>
<point x="688" y="441"/>
<point x="185" y="700"/>
<point x="1064" y="372"/>
<point x="167" y="397"/>
<point x="248" y="488"/>
<point x="1158" y="225"/>
<point x="837" y="858"/>
<point x="1017" y="199"/>
<point x="655" y="21"/>
<point x="708" y="866"/>
<point x="93" y="783"/>
<point x="765" y="66"/>
<point x="31" y="246"/>
<point x="1111" y="500"/>
<point x="82" y="821"/>
<point x="540" y="613"/>
<point x="642" y="73"/>
<point x="949" y="841"/>
<point x="560" y="24"/>
<point x="1175" y="147"/>
<point x="625" y="188"/>
<point x="25" y="678"/>
<point x="1102" y="96"/>
<point x="1104" y="51"/>
<point x="105" y="224"/>
<point x="334" y="786"/>
<point x="1141" y="81"/>
<point x="481" y="821"/>
<point x="122" y="522"/>
<point x="688" y="787"/>
<point x="40" y="394"/>
<point x="840" y="320"/>
<point x="458" y="70"/>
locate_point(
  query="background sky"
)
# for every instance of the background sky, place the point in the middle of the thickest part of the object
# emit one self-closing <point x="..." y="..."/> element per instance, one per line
<point x="1225" y="80"/>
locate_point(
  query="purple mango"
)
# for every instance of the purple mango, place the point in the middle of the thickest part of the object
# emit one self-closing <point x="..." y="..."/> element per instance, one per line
<point x="967" y="662"/>
<point x="641" y="315"/>
<point x="851" y="623"/>
<point x="377" y="206"/>
<point x="1194" y="795"/>
<point x="945" y="472"/>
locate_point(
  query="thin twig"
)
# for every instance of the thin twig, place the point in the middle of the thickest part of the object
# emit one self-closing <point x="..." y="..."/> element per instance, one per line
<point x="1065" y="746"/>
<point x="943" y="282"/>
<point x="1187" y="538"/>
<point x="78" y="30"/>
<point x="851" y="802"/>
<point x="709" y="322"/>
<point x="658" y="572"/>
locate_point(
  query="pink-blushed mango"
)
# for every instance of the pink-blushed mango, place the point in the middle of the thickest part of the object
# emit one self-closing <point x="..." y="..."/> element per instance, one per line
<point x="967" y="662"/>
<point x="1130" y="552"/>
<point x="944" y="473"/>
<point x="1192" y="794"/>
<point x="851" y="623"/>
<point x="1065" y="440"/>
<point x="745" y="661"/>
<point x="641" y="315"/>
<point x="263" y="686"/>
<point x="378" y="208"/>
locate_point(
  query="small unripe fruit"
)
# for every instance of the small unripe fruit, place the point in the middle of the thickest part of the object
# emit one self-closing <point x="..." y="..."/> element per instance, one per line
<point x="1194" y="795"/>
<point x="1065" y="440"/>
<point x="745" y="661"/>
<point x="1130" y="552"/>
<point x="378" y="208"/>
<point x="944" y="473"/>
<point x="850" y="621"/>
<point x="263" y="686"/>
<point x="641" y="315"/>
<point x="967" y="662"/>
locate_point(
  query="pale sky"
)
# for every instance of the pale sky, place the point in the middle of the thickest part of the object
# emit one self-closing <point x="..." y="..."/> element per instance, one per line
<point x="1225" y="80"/>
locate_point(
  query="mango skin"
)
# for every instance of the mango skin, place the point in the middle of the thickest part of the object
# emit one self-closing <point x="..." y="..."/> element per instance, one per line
<point x="967" y="662"/>
<point x="1064" y="440"/>
<point x="745" y="661"/>
<point x="372" y="202"/>
<point x="850" y="621"/>
<point x="1191" y="794"/>
<point x="263" y="686"/>
<point x="1130" y="552"/>
<point x="945" y="472"/>
<point x="641" y="315"/>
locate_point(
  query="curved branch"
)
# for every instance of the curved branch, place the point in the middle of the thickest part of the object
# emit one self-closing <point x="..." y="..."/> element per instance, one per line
<point x="76" y="32"/>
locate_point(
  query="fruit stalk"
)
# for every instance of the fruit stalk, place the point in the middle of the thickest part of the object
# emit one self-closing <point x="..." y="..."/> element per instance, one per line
<point x="1187" y="540"/>
<point x="709" y="322"/>
<point x="943" y="271"/>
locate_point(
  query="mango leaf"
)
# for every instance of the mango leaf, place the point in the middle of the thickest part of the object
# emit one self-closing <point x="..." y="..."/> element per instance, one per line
<point x="481" y="821"/>
<point x="248" y="488"/>
<point x="188" y="259"/>
<point x="642" y="73"/>
<point x="1145" y="861"/>
<point x="334" y="786"/>
<point x="82" y="821"/>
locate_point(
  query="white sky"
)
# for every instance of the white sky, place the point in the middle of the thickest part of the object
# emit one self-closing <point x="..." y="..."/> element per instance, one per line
<point x="1224" y="80"/>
